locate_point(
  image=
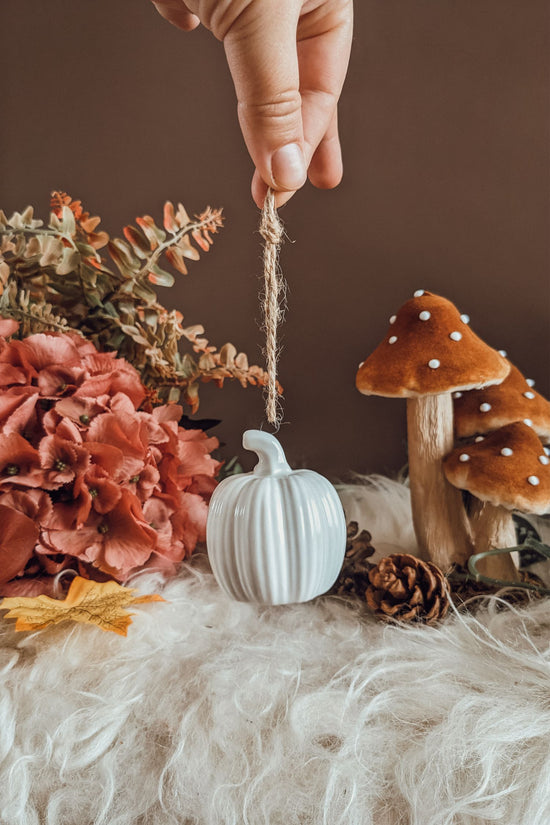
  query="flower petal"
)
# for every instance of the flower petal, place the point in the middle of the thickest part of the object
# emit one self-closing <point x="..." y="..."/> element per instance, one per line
<point x="8" y="326"/>
<point x="18" y="536"/>
<point x="29" y="587"/>
<point x="42" y="350"/>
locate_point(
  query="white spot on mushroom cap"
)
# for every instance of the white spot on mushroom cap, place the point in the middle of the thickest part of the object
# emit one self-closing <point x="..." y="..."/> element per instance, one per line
<point x="393" y="319"/>
<point x="465" y="319"/>
<point x="455" y="336"/>
<point x="534" y="480"/>
<point x="463" y="457"/>
<point x="419" y="293"/>
<point x="528" y="422"/>
<point x="546" y="450"/>
<point x="529" y="394"/>
<point x="530" y="381"/>
<point x="502" y="352"/>
<point x="544" y="459"/>
<point x="392" y="340"/>
<point x="434" y="363"/>
<point x="425" y="315"/>
<point x="361" y="364"/>
<point x="479" y="438"/>
<point x="506" y="451"/>
<point x="485" y="407"/>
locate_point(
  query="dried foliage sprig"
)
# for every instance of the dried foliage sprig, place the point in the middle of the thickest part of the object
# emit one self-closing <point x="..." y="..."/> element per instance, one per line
<point x="54" y="277"/>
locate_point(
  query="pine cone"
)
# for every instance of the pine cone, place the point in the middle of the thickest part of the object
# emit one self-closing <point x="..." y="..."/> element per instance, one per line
<point x="353" y="578"/>
<point x="404" y="588"/>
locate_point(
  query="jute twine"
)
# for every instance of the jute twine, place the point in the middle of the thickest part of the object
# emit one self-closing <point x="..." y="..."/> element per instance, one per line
<point x="273" y="304"/>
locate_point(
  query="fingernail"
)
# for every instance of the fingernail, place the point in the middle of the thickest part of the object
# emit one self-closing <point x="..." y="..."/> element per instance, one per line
<point x="288" y="167"/>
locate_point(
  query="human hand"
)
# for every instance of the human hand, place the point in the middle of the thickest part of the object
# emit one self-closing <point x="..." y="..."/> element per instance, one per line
<point x="288" y="60"/>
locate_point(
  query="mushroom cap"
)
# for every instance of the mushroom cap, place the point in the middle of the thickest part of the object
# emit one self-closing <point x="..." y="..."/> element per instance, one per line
<point x="429" y="349"/>
<point x="507" y="468"/>
<point x="481" y="411"/>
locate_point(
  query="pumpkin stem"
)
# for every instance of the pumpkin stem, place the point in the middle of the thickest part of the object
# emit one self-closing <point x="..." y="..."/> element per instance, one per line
<point x="269" y="451"/>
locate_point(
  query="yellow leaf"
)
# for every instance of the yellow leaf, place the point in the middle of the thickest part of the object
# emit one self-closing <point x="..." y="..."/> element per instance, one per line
<point x="100" y="603"/>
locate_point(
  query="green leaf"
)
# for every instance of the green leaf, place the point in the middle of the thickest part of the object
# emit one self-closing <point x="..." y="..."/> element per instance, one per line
<point x="231" y="467"/>
<point x="181" y="216"/>
<point x="123" y="256"/>
<point x="116" y="340"/>
<point x="127" y="307"/>
<point x="69" y="262"/>
<point x="207" y="362"/>
<point x="151" y="318"/>
<point x="110" y="309"/>
<point x="52" y="251"/>
<point x="152" y="232"/>
<point x="87" y="251"/>
<point x="170" y="222"/>
<point x="187" y="249"/>
<point x="227" y="355"/>
<point x="65" y="224"/>
<point x="137" y="289"/>
<point x="160" y="277"/>
<point x="67" y="290"/>
<point x="188" y="366"/>
<point x="92" y="299"/>
<point x="138" y="242"/>
<point x="135" y="334"/>
<point x="176" y="259"/>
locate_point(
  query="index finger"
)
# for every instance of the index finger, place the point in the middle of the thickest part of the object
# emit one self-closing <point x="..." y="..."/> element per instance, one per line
<point x="263" y="60"/>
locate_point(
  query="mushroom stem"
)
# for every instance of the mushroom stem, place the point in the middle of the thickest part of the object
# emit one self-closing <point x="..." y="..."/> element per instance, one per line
<point x="439" y="518"/>
<point x="493" y="527"/>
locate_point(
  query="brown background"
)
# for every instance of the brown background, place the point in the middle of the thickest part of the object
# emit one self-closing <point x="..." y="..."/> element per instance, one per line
<point x="445" y="129"/>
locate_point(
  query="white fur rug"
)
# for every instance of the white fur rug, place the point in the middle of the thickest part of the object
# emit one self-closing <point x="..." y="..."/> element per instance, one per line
<point x="218" y="713"/>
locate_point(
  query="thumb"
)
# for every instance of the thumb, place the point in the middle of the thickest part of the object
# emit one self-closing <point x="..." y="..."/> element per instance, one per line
<point x="262" y="56"/>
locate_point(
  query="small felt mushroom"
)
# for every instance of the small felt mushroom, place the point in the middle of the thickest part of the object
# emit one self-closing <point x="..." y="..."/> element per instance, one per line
<point x="482" y="411"/>
<point x="428" y="353"/>
<point x="506" y="470"/>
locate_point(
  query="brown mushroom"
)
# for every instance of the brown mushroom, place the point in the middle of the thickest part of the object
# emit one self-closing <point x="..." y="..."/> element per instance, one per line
<point x="515" y="399"/>
<point x="428" y="353"/>
<point x="505" y="470"/>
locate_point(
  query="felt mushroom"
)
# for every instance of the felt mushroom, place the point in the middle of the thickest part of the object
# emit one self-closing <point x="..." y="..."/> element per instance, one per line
<point x="505" y="470"/>
<point x="428" y="353"/>
<point x="482" y="411"/>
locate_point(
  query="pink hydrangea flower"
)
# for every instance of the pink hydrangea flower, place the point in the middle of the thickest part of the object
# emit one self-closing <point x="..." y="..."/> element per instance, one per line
<point x="91" y="477"/>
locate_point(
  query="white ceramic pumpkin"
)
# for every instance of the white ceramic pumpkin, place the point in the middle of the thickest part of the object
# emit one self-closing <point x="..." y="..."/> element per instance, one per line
<point x="275" y="535"/>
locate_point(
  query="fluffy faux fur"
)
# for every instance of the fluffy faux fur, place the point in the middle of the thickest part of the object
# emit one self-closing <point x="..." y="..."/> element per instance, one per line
<point x="383" y="507"/>
<point x="218" y="713"/>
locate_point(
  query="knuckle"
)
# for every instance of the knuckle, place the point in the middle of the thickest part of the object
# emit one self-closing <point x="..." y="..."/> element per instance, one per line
<point x="325" y="100"/>
<point x="225" y="15"/>
<point x="282" y="106"/>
